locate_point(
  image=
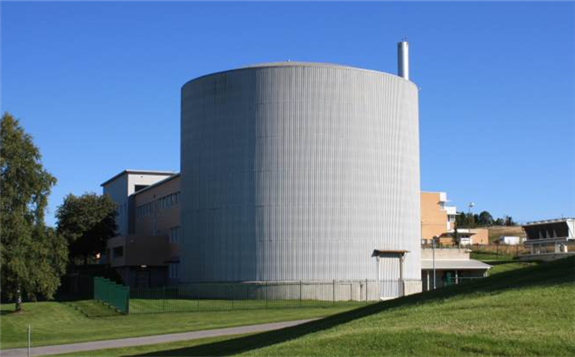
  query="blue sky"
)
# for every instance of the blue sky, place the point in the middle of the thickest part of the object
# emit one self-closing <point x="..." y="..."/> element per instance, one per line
<point x="97" y="84"/>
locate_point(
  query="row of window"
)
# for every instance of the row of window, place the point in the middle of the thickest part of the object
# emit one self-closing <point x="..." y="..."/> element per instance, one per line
<point x="175" y="234"/>
<point x="144" y="210"/>
<point x="169" y="200"/>
<point x="174" y="270"/>
<point x="164" y="202"/>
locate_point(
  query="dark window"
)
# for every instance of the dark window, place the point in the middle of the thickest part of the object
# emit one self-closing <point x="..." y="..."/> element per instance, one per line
<point x="118" y="252"/>
<point x="140" y="187"/>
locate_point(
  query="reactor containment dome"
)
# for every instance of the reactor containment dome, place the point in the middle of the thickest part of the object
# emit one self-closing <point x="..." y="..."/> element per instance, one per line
<point x="300" y="172"/>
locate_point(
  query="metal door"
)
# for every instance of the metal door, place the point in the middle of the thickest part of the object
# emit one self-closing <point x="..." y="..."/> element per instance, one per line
<point x="389" y="277"/>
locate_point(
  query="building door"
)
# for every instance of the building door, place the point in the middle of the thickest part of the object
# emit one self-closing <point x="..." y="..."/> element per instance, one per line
<point x="143" y="278"/>
<point x="389" y="276"/>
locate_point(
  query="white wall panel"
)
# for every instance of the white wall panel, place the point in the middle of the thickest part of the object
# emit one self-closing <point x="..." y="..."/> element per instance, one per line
<point x="298" y="171"/>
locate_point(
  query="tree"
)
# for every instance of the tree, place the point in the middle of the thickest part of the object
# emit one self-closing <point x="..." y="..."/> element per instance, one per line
<point x="87" y="222"/>
<point x="465" y="220"/>
<point x="485" y="219"/>
<point x="33" y="256"/>
<point x="509" y="221"/>
<point x="461" y="219"/>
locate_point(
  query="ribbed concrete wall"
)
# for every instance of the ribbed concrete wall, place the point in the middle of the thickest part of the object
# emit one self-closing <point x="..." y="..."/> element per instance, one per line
<point x="298" y="171"/>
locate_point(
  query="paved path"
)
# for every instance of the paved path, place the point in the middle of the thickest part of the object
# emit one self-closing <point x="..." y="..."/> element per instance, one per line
<point x="147" y="340"/>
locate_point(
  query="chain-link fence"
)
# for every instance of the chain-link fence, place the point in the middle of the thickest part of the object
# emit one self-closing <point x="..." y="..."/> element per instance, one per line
<point x="497" y="251"/>
<point x="260" y="295"/>
<point x="247" y="295"/>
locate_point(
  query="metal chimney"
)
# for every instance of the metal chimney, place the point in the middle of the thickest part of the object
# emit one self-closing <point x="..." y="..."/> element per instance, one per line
<point x="403" y="59"/>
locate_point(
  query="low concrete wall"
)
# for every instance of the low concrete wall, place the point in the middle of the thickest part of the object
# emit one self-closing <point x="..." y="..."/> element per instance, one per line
<point x="321" y="291"/>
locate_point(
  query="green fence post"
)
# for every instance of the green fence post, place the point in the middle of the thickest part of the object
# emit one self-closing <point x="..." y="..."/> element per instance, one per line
<point x="164" y="298"/>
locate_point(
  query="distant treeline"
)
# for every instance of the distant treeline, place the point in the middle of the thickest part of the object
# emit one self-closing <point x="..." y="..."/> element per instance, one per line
<point x="483" y="219"/>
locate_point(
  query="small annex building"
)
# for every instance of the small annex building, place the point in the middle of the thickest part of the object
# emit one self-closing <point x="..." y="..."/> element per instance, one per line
<point x="452" y="266"/>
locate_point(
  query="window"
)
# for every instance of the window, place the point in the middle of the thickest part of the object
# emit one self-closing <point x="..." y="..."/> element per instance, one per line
<point x="169" y="200"/>
<point x="139" y="187"/>
<point x="118" y="252"/>
<point x="174" y="270"/>
<point x="144" y="210"/>
<point x="175" y="234"/>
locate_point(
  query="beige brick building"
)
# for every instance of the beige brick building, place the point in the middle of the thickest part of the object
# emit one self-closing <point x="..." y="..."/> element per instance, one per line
<point x="438" y="220"/>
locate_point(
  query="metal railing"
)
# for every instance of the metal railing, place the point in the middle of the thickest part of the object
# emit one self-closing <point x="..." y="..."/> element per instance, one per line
<point x="260" y="295"/>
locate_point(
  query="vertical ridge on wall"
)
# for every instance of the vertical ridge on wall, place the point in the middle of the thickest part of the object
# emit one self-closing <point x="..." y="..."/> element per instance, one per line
<point x="298" y="172"/>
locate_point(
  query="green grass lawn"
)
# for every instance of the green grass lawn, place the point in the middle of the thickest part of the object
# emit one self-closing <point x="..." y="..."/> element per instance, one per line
<point x="58" y="323"/>
<point x="489" y="257"/>
<point x="501" y="267"/>
<point x="151" y="349"/>
<point x="522" y="312"/>
<point x="138" y="306"/>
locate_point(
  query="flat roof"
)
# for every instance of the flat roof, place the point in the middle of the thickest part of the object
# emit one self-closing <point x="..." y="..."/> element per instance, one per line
<point x="386" y="251"/>
<point x="451" y="264"/>
<point x="297" y="64"/>
<point x="548" y="221"/>
<point x="449" y="234"/>
<point x="145" y="172"/>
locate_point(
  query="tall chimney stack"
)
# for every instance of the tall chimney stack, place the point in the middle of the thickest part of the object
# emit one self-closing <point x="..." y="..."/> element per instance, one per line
<point x="403" y="59"/>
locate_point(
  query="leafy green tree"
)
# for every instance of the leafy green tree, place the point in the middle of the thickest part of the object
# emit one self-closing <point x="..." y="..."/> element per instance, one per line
<point x="509" y="221"/>
<point x="87" y="222"/>
<point x="465" y="220"/>
<point x="485" y="219"/>
<point x="33" y="256"/>
<point x="461" y="219"/>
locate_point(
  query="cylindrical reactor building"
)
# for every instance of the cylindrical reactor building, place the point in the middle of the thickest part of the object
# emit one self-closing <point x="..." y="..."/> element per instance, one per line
<point x="299" y="172"/>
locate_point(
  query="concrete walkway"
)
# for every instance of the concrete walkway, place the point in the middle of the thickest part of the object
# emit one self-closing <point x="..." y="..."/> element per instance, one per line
<point x="148" y="340"/>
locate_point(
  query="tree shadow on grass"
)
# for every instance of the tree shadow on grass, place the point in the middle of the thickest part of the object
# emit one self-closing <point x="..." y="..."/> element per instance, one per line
<point x="7" y="312"/>
<point x="547" y="274"/>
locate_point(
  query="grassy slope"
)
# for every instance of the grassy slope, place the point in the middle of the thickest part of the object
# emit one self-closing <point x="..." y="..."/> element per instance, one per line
<point x="508" y="266"/>
<point x="523" y="312"/>
<point x="58" y="323"/>
<point x="497" y="231"/>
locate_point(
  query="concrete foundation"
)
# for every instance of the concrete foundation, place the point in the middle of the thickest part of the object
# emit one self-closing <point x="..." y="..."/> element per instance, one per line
<point x="321" y="291"/>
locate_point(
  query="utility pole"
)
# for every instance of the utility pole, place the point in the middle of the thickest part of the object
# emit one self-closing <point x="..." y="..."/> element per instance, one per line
<point x="433" y="250"/>
<point x="470" y="206"/>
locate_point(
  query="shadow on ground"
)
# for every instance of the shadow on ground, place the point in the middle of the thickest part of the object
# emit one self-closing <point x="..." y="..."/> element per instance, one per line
<point x="546" y="274"/>
<point x="93" y="308"/>
<point x="7" y="312"/>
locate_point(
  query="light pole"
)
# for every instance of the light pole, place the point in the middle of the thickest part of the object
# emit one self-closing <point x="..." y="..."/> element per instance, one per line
<point x="433" y="251"/>
<point x="471" y="220"/>
<point x="470" y="206"/>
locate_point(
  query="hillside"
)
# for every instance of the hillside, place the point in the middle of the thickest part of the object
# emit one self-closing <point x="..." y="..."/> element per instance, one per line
<point x="525" y="312"/>
<point x="57" y="323"/>
<point x="497" y="231"/>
